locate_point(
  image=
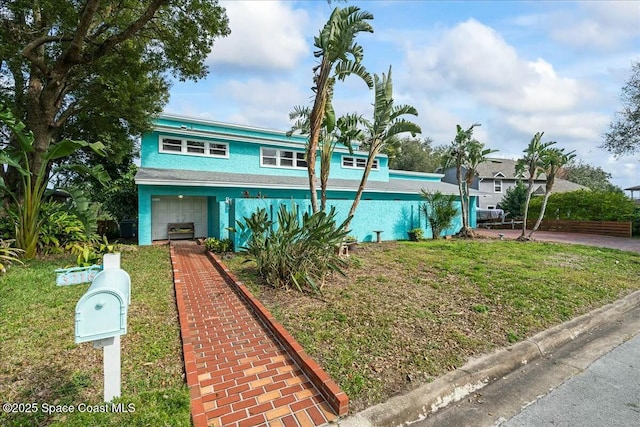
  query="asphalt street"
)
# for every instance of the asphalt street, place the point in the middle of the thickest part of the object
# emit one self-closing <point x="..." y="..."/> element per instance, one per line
<point x="593" y="380"/>
<point x="607" y="393"/>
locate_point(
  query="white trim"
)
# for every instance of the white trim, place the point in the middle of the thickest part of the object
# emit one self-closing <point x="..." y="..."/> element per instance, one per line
<point x="418" y="174"/>
<point x="168" y="116"/>
<point x="184" y="147"/>
<point x="279" y="158"/>
<point x="500" y="174"/>
<point x="495" y="181"/>
<point x="220" y="135"/>
<point x="374" y="167"/>
<point x="295" y="140"/>
<point x="268" y="186"/>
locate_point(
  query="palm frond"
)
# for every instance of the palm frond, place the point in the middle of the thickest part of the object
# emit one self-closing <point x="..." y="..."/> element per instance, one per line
<point x="345" y="68"/>
<point x="401" y="126"/>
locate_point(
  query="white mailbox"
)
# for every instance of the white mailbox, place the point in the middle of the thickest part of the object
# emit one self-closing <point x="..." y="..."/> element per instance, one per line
<point x="102" y="310"/>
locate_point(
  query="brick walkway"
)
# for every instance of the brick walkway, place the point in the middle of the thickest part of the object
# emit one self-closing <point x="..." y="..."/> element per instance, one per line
<point x="238" y="374"/>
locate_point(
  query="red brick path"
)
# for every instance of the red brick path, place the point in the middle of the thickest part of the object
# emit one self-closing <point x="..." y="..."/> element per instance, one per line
<point x="238" y="375"/>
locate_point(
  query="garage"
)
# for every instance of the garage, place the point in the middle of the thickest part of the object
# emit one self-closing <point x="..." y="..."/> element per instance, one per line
<point x="171" y="209"/>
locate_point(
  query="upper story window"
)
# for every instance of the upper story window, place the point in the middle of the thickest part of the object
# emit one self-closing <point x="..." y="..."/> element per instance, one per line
<point x="282" y="158"/>
<point x="193" y="147"/>
<point x="497" y="186"/>
<point x="357" y="162"/>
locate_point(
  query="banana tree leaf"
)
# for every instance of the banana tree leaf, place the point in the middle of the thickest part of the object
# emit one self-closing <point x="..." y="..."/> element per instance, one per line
<point x="68" y="146"/>
<point x="96" y="172"/>
<point x="24" y="138"/>
<point x="11" y="160"/>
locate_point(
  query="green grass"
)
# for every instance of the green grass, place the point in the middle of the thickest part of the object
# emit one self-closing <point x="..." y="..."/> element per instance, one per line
<point x="40" y="363"/>
<point x="408" y="312"/>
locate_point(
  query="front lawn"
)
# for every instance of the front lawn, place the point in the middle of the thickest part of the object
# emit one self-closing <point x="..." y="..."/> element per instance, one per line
<point x="408" y="312"/>
<point x="40" y="363"/>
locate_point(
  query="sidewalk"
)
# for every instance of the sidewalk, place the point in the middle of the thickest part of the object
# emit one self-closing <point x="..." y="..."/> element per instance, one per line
<point x="237" y="372"/>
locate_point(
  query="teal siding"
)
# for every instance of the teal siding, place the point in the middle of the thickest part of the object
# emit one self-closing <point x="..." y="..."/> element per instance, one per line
<point x="244" y="157"/>
<point x="375" y="212"/>
<point x="394" y="214"/>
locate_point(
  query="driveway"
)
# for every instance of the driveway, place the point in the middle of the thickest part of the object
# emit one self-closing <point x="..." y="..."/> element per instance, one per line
<point x="623" y="243"/>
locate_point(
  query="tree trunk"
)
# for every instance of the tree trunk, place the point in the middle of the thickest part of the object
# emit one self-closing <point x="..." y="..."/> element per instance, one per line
<point x="363" y="183"/>
<point x="465" y="232"/>
<point x="324" y="179"/>
<point x="542" y="209"/>
<point x="311" y="172"/>
<point x="315" y="123"/>
<point x="523" y="237"/>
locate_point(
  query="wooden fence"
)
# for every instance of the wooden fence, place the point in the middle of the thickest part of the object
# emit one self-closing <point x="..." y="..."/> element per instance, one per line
<point x="606" y="228"/>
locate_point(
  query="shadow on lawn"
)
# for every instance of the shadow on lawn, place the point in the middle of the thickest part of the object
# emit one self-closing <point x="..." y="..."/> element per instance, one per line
<point x="42" y="387"/>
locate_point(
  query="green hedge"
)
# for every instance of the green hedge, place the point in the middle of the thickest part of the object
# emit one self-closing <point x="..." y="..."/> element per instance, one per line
<point x="586" y="205"/>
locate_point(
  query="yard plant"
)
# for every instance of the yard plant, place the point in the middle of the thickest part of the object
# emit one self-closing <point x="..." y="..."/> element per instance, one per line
<point x="407" y="312"/>
<point x="440" y="210"/>
<point x="294" y="253"/>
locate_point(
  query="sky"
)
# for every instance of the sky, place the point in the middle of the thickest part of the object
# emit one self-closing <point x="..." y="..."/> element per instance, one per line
<point x="515" y="67"/>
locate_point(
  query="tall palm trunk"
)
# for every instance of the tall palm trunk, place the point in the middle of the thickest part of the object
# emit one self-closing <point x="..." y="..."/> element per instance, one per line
<point x="363" y="183"/>
<point x="325" y="167"/>
<point x="526" y="211"/>
<point x="315" y="123"/>
<point x="541" y="216"/>
<point x="463" y="205"/>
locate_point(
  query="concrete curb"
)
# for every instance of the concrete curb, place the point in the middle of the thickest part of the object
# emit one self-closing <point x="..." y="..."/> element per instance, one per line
<point x="477" y="373"/>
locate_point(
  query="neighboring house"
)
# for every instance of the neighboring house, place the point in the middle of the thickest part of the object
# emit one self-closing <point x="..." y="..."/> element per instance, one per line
<point x="631" y="191"/>
<point x="213" y="174"/>
<point x="496" y="176"/>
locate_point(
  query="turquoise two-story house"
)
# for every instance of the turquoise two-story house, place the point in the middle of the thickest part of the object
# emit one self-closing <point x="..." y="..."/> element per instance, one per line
<point x="212" y="174"/>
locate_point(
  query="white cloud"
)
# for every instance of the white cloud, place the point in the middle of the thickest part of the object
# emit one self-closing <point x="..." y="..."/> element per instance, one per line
<point x="264" y="35"/>
<point x="603" y="25"/>
<point x="261" y="102"/>
<point x="477" y="62"/>
<point x="585" y="126"/>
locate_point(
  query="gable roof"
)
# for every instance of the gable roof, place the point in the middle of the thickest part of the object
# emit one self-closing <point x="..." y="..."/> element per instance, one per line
<point x="490" y="168"/>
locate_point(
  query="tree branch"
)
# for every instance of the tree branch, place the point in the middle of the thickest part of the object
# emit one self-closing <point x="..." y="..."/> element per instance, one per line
<point x="106" y="46"/>
<point x="70" y="111"/>
<point x="73" y="54"/>
<point x="29" y="51"/>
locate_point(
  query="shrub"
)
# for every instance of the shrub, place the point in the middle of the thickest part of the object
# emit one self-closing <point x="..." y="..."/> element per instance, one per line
<point x="8" y="223"/>
<point x="90" y="253"/>
<point x="291" y="253"/>
<point x="218" y="246"/>
<point x="440" y="211"/>
<point x="513" y="201"/>
<point x="60" y="229"/>
<point x="8" y="254"/>
<point x="585" y="205"/>
<point x="416" y="234"/>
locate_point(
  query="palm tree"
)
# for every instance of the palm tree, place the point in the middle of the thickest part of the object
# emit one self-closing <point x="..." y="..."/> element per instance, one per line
<point x="343" y="132"/>
<point x="387" y="124"/>
<point x="458" y="154"/>
<point x="553" y="160"/>
<point x="475" y="154"/>
<point x="533" y="165"/>
<point x="339" y="57"/>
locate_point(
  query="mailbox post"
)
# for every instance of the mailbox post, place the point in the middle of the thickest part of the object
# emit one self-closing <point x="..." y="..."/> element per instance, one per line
<point x="101" y="317"/>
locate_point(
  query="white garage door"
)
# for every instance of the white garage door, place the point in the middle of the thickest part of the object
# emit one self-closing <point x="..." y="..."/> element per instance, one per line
<point x="173" y="209"/>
